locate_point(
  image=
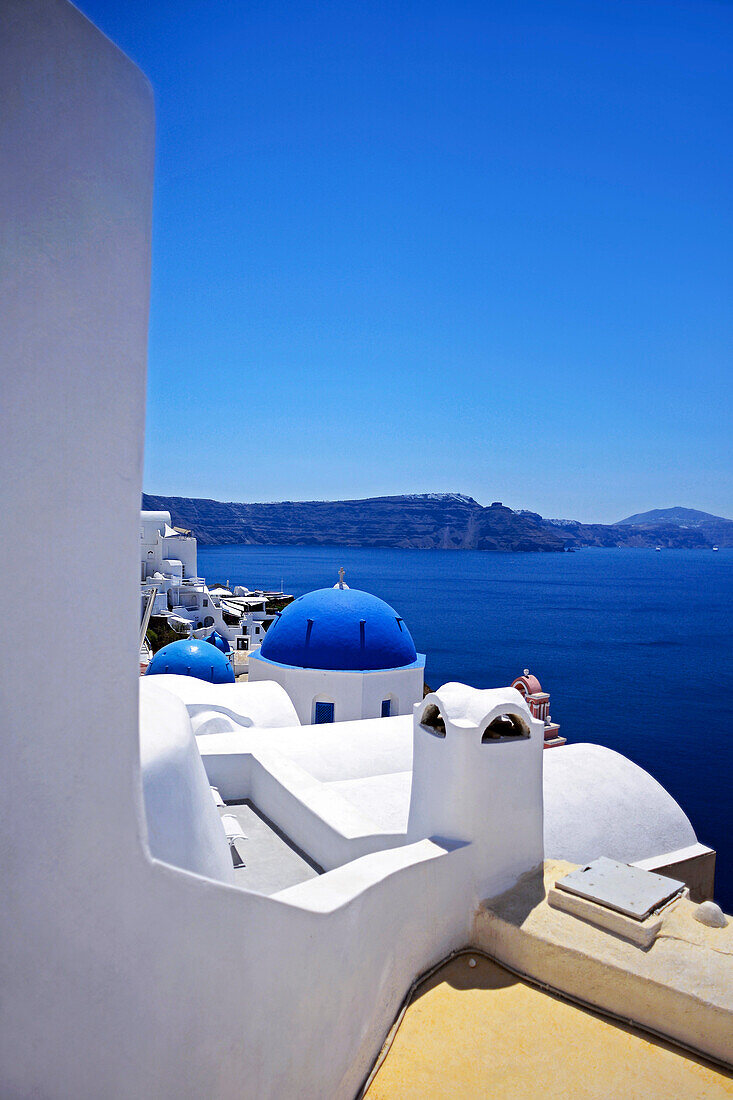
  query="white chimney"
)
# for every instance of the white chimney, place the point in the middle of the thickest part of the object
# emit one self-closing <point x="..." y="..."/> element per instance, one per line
<point x="477" y="778"/>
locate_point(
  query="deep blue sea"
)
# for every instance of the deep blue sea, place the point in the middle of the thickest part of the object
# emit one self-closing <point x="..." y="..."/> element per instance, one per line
<point x="633" y="645"/>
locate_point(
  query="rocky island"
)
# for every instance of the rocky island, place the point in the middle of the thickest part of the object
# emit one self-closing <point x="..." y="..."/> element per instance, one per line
<point x="430" y="521"/>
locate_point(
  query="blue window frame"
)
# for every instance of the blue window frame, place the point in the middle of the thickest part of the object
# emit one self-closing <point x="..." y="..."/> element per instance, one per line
<point x="324" y="713"/>
<point x="386" y="708"/>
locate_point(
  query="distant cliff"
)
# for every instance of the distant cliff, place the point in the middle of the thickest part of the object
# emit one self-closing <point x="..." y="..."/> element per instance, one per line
<point x="431" y="521"/>
<point x="670" y="528"/>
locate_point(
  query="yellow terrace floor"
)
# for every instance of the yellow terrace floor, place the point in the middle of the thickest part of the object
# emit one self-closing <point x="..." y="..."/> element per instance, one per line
<point x="481" y="1032"/>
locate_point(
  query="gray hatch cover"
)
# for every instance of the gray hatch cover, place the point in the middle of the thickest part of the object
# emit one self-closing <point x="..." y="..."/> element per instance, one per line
<point x="628" y="890"/>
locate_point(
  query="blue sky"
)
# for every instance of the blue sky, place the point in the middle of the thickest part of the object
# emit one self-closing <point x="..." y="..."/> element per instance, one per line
<point x="417" y="247"/>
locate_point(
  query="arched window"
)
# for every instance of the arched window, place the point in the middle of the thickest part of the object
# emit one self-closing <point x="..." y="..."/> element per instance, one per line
<point x="433" y="720"/>
<point x="505" y="725"/>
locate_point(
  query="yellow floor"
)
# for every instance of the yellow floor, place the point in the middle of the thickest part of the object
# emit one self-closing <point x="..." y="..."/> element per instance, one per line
<point x="480" y="1032"/>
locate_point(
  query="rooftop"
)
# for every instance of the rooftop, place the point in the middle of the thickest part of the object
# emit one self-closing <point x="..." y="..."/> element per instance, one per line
<point x="479" y="1030"/>
<point x="270" y="860"/>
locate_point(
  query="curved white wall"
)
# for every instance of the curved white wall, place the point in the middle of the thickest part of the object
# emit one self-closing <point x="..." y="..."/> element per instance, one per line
<point x="183" y="824"/>
<point x="218" y="708"/>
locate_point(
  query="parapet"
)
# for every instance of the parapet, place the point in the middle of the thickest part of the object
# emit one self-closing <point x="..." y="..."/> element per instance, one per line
<point x="223" y="708"/>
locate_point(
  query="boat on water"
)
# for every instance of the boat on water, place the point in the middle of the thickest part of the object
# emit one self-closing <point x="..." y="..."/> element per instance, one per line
<point x="715" y="549"/>
<point x="658" y="549"/>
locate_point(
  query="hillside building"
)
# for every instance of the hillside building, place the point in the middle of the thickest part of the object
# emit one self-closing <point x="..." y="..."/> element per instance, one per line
<point x="169" y="567"/>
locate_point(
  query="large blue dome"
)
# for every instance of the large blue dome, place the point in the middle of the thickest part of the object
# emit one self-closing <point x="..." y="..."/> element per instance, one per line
<point x="341" y="629"/>
<point x="192" y="657"/>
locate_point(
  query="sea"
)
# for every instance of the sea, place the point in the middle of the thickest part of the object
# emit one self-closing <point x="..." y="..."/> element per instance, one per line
<point x="634" y="646"/>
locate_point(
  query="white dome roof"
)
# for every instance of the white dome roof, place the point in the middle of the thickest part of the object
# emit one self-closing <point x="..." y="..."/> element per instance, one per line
<point x="598" y="803"/>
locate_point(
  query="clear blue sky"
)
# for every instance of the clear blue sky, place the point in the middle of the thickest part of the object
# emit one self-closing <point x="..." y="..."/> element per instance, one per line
<point x="409" y="247"/>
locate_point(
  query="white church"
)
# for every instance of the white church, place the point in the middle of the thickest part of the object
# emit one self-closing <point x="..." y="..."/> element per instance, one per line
<point x="341" y="655"/>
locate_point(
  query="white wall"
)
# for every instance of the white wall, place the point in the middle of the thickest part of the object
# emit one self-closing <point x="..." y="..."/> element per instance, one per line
<point x="183" y="549"/>
<point x="183" y="824"/>
<point x="159" y="552"/>
<point x="221" y="708"/>
<point x="76" y="147"/>
<point x="151" y="543"/>
<point x="173" y="567"/>
<point x="404" y="685"/>
<point x="356" y="695"/>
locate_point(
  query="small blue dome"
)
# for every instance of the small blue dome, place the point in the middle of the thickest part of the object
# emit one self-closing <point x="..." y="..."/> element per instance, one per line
<point x="192" y="657"/>
<point x="339" y="629"/>
<point x="216" y="639"/>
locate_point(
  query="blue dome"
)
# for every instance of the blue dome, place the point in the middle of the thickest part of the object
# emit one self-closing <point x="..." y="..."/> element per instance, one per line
<point x="215" y="638"/>
<point x="192" y="657"/>
<point x="341" y="629"/>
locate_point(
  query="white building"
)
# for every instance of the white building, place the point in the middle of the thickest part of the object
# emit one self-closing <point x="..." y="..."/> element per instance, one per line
<point x="169" y="562"/>
<point x="341" y="655"/>
<point x="166" y="551"/>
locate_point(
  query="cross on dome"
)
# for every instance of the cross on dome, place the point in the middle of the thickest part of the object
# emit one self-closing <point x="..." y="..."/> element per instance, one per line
<point x="340" y="583"/>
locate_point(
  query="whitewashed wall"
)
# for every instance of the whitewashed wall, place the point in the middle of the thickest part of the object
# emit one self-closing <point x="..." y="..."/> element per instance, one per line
<point x="355" y="695"/>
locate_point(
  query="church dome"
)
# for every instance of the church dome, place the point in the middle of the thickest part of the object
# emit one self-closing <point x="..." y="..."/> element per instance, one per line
<point x="215" y="638"/>
<point x="340" y="629"/>
<point x="192" y="657"/>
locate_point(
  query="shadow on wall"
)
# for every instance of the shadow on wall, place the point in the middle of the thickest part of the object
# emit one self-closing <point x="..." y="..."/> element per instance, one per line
<point x="518" y="902"/>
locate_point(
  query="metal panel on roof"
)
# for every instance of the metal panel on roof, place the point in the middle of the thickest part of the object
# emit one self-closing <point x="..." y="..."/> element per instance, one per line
<point x="618" y="886"/>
